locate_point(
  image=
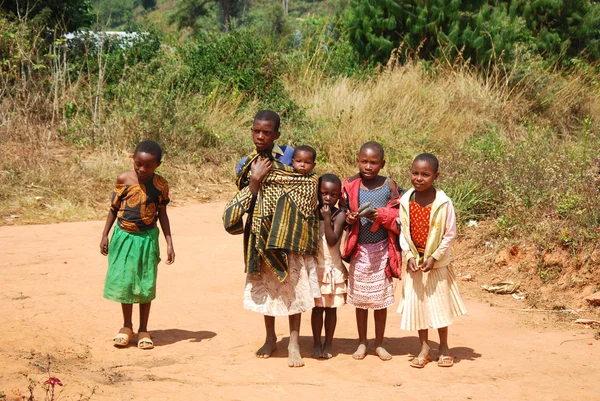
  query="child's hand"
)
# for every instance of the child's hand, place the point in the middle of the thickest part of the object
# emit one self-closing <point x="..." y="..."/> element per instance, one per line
<point x="428" y="265"/>
<point x="104" y="245"/>
<point x="411" y="265"/>
<point x="260" y="167"/>
<point x="351" y="218"/>
<point x="170" y="255"/>
<point x="326" y="212"/>
<point x="371" y="214"/>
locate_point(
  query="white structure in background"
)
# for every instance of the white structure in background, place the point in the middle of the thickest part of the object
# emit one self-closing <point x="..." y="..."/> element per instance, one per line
<point x="98" y="37"/>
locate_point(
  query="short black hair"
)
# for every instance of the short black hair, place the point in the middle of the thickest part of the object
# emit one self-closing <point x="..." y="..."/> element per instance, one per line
<point x="376" y="146"/>
<point x="334" y="179"/>
<point x="305" y="148"/>
<point x="429" y="158"/>
<point x="150" y="147"/>
<point x="268" y="115"/>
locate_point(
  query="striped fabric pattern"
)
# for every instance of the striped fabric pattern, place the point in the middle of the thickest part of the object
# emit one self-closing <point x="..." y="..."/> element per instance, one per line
<point x="235" y="210"/>
<point x="283" y="218"/>
<point x="431" y="300"/>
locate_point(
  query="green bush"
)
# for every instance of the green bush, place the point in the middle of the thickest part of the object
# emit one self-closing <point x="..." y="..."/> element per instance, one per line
<point x="540" y="177"/>
<point x="238" y="63"/>
<point x="109" y="57"/>
<point x="481" y="31"/>
<point x="471" y="200"/>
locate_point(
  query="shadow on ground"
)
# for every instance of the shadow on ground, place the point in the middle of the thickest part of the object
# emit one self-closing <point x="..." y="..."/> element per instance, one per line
<point x="172" y="336"/>
<point x="397" y="346"/>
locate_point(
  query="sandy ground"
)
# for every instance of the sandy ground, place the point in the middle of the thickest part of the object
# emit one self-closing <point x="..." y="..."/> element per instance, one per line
<point x="52" y="309"/>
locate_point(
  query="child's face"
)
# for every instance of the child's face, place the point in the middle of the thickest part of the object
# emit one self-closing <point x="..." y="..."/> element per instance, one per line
<point x="329" y="193"/>
<point x="144" y="165"/>
<point x="264" y="135"/>
<point x="369" y="163"/>
<point x="303" y="161"/>
<point x="422" y="175"/>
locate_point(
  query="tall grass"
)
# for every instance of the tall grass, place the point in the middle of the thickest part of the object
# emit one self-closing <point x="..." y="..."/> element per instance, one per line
<point x="516" y="147"/>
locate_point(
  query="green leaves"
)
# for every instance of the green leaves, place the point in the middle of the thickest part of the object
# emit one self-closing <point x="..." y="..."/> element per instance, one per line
<point x="240" y="62"/>
<point x="481" y="31"/>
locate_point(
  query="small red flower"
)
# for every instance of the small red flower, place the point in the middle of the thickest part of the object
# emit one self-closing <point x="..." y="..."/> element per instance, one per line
<point x="53" y="381"/>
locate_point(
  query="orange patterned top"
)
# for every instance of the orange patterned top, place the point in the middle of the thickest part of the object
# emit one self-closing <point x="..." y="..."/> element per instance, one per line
<point x="137" y="205"/>
<point x="419" y="225"/>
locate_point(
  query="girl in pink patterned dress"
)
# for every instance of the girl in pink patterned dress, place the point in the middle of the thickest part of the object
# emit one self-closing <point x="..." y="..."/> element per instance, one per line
<point x="371" y="245"/>
<point x="331" y="271"/>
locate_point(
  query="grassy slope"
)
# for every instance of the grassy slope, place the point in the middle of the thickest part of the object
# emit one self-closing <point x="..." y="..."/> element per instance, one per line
<point x="529" y="150"/>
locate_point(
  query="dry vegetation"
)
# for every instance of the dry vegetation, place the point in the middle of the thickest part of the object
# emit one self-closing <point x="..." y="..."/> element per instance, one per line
<point x="519" y="149"/>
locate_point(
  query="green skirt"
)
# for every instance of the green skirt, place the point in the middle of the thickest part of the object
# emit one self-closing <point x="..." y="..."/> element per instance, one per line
<point x="132" y="266"/>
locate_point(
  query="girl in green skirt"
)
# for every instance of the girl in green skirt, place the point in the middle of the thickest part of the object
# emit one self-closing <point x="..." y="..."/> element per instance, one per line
<point x="140" y="199"/>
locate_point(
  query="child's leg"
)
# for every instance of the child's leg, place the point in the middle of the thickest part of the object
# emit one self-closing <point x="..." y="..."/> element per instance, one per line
<point x="127" y="315"/>
<point x="294" y="357"/>
<point x="361" y="324"/>
<point x="424" y="356"/>
<point x="124" y="335"/>
<point x="270" y="344"/>
<point x="144" y="315"/>
<point x="316" y="322"/>
<point x="330" y="323"/>
<point x="144" y="340"/>
<point x="424" y="340"/>
<point x="444" y="349"/>
<point x="380" y="319"/>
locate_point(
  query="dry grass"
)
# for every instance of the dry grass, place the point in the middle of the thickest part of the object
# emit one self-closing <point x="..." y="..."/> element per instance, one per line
<point x="404" y="108"/>
<point x="61" y="166"/>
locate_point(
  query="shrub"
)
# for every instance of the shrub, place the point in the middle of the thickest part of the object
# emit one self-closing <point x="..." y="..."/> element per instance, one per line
<point x="238" y="64"/>
<point x="481" y="31"/>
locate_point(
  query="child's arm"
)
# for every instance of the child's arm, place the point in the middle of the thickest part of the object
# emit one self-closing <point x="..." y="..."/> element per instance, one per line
<point x="260" y="167"/>
<point x="110" y="220"/>
<point x="351" y="217"/>
<point x="112" y="216"/>
<point x="411" y="263"/>
<point x="166" y="227"/>
<point x="333" y="230"/>
<point x="386" y="217"/>
<point x="449" y="235"/>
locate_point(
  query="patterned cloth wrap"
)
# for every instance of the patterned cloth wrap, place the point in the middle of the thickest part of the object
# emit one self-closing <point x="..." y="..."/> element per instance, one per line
<point x="282" y="217"/>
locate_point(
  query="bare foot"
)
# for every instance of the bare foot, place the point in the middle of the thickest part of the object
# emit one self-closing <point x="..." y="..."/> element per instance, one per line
<point x="294" y="357"/>
<point x="317" y="351"/>
<point x="327" y="351"/>
<point x="267" y="349"/>
<point x="383" y="354"/>
<point x="361" y="352"/>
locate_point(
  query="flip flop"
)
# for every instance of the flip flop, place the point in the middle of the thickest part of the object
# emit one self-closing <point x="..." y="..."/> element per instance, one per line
<point x="144" y="341"/>
<point x="420" y="363"/>
<point x="123" y="337"/>
<point x="445" y="361"/>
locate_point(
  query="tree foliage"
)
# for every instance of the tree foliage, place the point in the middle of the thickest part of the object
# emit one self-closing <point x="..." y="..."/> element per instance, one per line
<point x="115" y="13"/>
<point x="62" y="15"/>
<point x="479" y="30"/>
<point x="239" y="62"/>
<point x="187" y="12"/>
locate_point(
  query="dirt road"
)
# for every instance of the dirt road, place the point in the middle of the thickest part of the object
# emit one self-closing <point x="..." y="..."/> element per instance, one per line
<point x="51" y="304"/>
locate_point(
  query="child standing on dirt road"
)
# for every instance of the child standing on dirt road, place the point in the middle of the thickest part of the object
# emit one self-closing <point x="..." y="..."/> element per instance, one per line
<point x="431" y="297"/>
<point x="140" y="199"/>
<point x="371" y="245"/>
<point x="280" y="231"/>
<point x="331" y="272"/>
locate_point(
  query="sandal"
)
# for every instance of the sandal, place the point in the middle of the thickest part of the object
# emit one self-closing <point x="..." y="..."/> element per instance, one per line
<point x="420" y="363"/>
<point x="445" y="361"/>
<point x="144" y="340"/>
<point x="123" y="337"/>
